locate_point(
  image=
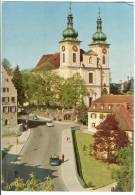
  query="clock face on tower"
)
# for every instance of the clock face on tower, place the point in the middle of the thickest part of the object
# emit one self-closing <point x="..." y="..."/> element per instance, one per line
<point x="63" y="48"/>
<point x="104" y="51"/>
<point x="75" y="48"/>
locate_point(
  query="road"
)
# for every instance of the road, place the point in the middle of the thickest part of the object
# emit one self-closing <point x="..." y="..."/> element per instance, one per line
<point x="43" y="141"/>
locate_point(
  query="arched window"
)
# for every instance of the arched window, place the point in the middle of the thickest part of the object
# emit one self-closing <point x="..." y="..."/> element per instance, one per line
<point x="90" y="60"/>
<point x="63" y="57"/>
<point x="74" y="57"/>
<point x="103" y="59"/>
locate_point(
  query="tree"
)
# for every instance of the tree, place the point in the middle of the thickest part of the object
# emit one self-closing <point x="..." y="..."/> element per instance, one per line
<point x="17" y="80"/>
<point x="6" y="64"/>
<point x="83" y="114"/>
<point x="47" y="85"/>
<point x="72" y="92"/>
<point x="109" y="138"/>
<point x="124" y="176"/>
<point x="31" y="184"/>
<point x="114" y="89"/>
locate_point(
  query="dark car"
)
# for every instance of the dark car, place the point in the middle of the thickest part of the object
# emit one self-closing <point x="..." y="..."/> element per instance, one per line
<point x="54" y="160"/>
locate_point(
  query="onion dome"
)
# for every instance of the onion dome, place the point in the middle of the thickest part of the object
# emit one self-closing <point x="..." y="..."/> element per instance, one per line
<point x="69" y="33"/>
<point x="99" y="36"/>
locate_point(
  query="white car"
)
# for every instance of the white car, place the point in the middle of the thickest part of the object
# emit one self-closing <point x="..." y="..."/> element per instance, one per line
<point x="50" y="124"/>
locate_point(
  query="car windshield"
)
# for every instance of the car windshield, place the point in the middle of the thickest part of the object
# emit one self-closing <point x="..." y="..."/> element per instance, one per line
<point x="54" y="157"/>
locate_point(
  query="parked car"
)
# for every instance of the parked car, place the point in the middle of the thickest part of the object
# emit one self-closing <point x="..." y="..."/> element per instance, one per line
<point x="50" y="124"/>
<point x="54" y="160"/>
<point x="35" y="117"/>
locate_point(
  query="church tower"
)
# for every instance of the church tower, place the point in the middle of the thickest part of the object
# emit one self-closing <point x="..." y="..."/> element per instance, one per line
<point x="101" y="47"/>
<point x="69" y="45"/>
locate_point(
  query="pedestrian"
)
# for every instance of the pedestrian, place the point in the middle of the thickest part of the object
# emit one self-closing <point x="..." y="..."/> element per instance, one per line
<point x="62" y="157"/>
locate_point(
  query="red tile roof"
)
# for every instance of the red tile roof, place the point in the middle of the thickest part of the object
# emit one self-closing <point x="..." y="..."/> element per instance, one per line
<point x="124" y="118"/>
<point x="105" y="104"/>
<point x="53" y="59"/>
<point x="115" y="99"/>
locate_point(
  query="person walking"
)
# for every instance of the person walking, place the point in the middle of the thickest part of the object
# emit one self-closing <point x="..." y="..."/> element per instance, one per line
<point x="62" y="157"/>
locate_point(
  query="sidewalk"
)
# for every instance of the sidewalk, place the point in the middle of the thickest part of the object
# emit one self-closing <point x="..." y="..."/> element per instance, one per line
<point x="68" y="168"/>
<point x="18" y="146"/>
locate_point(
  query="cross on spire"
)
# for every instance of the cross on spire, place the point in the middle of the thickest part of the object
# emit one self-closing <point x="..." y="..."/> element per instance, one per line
<point x="70" y="7"/>
<point x="99" y="12"/>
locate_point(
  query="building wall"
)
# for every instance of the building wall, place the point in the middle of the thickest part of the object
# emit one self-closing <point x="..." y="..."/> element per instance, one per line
<point x="9" y="101"/>
<point x="67" y="48"/>
<point x="94" y="119"/>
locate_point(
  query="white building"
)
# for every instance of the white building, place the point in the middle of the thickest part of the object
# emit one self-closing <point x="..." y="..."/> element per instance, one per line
<point x="92" y="65"/>
<point x="9" y="101"/>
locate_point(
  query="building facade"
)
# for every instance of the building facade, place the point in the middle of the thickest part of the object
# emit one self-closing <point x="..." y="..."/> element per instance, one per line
<point x="120" y="105"/>
<point x="9" y="101"/>
<point x="92" y="65"/>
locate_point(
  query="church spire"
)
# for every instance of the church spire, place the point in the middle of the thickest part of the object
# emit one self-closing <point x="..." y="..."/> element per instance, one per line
<point x="99" y="37"/>
<point x="99" y="22"/>
<point x="70" y="17"/>
<point x="69" y="33"/>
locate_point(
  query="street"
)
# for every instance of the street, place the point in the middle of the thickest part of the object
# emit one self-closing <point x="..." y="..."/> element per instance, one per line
<point x="42" y="142"/>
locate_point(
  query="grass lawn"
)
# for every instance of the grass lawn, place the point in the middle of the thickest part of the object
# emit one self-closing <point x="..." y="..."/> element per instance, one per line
<point x="94" y="171"/>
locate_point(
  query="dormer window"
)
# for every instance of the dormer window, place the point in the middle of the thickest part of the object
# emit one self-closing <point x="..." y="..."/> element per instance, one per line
<point x="110" y="107"/>
<point x="102" y="107"/>
<point x="94" y="106"/>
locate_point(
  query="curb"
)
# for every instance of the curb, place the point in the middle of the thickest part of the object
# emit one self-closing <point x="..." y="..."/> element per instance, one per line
<point x="25" y="141"/>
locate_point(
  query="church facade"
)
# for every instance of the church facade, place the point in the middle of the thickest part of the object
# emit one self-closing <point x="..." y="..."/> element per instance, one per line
<point x="92" y="65"/>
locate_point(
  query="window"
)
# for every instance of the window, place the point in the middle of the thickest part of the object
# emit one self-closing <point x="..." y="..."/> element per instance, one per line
<point x="74" y="57"/>
<point x="94" y="106"/>
<point x="90" y="77"/>
<point x="12" y="109"/>
<point x="4" y="89"/>
<point x="103" y="59"/>
<point x="7" y="89"/>
<point x="5" y="99"/>
<point x="101" y="116"/>
<point x="93" y="125"/>
<point x="110" y="107"/>
<point x="102" y="107"/>
<point x="6" y="122"/>
<point x="90" y="60"/>
<point x="63" y="57"/>
<point x="7" y="79"/>
<point x="93" y="115"/>
<point x="13" y="99"/>
<point x="5" y="109"/>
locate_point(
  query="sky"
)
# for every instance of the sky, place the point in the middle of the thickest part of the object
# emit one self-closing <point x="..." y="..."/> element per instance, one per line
<point x="32" y="29"/>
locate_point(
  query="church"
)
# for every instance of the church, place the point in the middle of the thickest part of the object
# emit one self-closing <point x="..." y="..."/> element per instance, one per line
<point x="92" y="65"/>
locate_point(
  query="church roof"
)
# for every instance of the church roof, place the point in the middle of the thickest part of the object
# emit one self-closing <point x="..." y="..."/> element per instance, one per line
<point x="91" y="52"/>
<point x="52" y="59"/>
